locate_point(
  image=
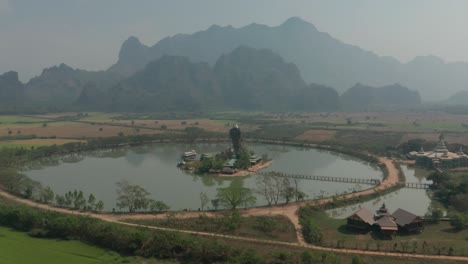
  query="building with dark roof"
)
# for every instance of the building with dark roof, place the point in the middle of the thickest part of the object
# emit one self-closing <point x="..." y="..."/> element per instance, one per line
<point x="408" y="221"/>
<point x="388" y="224"/>
<point x="362" y="219"/>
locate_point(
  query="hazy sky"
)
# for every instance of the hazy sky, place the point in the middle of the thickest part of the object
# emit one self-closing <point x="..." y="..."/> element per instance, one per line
<point x="88" y="33"/>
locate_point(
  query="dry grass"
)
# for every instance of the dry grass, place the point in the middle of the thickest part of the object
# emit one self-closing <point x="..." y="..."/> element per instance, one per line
<point x="317" y="135"/>
<point x="35" y="142"/>
<point x="72" y="130"/>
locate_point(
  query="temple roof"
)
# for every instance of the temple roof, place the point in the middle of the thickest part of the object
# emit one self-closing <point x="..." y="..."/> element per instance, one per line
<point x="403" y="217"/>
<point x="365" y="215"/>
<point x="386" y="223"/>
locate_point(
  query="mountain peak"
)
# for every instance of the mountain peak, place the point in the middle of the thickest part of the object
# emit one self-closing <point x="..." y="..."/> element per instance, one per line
<point x="10" y="76"/>
<point x="130" y="47"/>
<point x="297" y="22"/>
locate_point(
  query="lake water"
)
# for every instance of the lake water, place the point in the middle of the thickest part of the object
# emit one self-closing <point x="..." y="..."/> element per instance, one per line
<point x="154" y="168"/>
<point x="416" y="201"/>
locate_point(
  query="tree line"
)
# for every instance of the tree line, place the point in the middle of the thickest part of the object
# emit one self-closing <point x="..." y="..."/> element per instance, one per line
<point x="144" y="242"/>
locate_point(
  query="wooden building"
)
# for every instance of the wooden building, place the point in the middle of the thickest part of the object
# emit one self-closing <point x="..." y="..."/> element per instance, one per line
<point x="362" y="219"/>
<point x="407" y="221"/>
<point x="254" y="159"/>
<point x="387" y="226"/>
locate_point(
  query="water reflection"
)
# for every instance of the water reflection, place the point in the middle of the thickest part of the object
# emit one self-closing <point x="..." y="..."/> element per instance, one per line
<point x="154" y="168"/>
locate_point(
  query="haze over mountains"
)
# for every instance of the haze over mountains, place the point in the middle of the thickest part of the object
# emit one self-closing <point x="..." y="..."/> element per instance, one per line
<point x="320" y="57"/>
<point x="255" y="67"/>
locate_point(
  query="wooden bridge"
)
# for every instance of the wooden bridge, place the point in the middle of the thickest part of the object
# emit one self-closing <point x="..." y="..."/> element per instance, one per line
<point x="412" y="185"/>
<point x="415" y="185"/>
<point x="322" y="178"/>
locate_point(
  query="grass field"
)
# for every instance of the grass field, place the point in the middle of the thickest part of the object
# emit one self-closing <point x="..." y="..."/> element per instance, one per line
<point x="11" y="119"/>
<point x="34" y="142"/>
<point x="434" y="238"/>
<point x="17" y="247"/>
<point x="363" y="129"/>
<point x="277" y="228"/>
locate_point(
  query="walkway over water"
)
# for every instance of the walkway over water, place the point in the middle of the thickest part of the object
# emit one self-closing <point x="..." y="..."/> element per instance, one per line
<point x="412" y="185"/>
<point x="322" y="178"/>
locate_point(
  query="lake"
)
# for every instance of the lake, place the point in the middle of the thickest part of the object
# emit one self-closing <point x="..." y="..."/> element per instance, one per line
<point x="154" y="168"/>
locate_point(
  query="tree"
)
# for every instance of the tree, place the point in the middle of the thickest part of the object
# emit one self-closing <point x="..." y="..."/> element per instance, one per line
<point x="68" y="199"/>
<point x="215" y="203"/>
<point x="60" y="200"/>
<point x="79" y="202"/>
<point x="436" y="215"/>
<point x="99" y="206"/>
<point x="265" y="187"/>
<point x="130" y="196"/>
<point x="288" y="192"/>
<point x="158" y="206"/>
<point x="204" y="200"/>
<point x="297" y="191"/>
<point x="46" y="195"/>
<point x="357" y="260"/>
<point x="312" y="232"/>
<point x="234" y="197"/>
<point x="91" y="201"/>
<point x="458" y="221"/>
<point x="243" y="159"/>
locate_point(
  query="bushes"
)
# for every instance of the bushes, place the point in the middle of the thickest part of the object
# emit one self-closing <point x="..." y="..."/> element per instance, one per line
<point x="311" y="231"/>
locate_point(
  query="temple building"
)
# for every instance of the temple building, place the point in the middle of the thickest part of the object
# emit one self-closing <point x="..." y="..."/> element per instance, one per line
<point x="386" y="223"/>
<point x="439" y="157"/>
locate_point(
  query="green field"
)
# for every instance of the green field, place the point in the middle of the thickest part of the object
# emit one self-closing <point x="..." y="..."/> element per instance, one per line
<point x="17" y="247"/>
<point x="11" y="119"/>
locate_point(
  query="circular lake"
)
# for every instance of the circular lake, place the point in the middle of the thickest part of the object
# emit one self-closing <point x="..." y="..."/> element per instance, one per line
<point x="154" y="168"/>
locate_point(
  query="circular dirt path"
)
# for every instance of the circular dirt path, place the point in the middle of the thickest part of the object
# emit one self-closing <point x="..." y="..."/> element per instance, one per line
<point x="288" y="210"/>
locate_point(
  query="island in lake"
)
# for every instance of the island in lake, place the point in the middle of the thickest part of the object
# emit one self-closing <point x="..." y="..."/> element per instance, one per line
<point x="236" y="160"/>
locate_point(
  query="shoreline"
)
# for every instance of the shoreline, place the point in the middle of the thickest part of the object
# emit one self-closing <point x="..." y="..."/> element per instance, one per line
<point x="249" y="171"/>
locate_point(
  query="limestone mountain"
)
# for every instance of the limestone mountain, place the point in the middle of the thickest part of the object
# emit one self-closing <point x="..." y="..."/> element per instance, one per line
<point x="171" y="83"/>
<point x="459" y="98"/>
<point x="11" y="89"/>
<point x="63" y="84"/>
<point x="244" y="79"/>
<point x="366" y="98"/>
<point x="319" y="57"/>
<point x="315" y="98"/>
<point x="257" y="79"/>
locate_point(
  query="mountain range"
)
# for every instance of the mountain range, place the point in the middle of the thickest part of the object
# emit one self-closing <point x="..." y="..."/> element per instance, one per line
<point x="320" y="57"/>
<point x="246" y="78"/>
<point x="292" y="66"/>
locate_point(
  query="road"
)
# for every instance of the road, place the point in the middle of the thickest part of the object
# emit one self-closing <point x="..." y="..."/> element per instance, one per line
<point x="288" y="210"/>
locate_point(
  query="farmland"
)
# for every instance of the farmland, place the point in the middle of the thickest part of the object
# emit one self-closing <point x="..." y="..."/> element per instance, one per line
<point x="13" y="244"/>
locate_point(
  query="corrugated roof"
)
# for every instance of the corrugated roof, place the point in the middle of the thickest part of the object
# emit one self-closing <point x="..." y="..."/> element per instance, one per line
<point x="386" y="223"/>
<point x="403" y="217"/>
<point x="365" y="215"/>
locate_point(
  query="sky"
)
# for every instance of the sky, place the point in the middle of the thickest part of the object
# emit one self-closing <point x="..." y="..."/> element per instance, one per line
<point x="87" y="34"/>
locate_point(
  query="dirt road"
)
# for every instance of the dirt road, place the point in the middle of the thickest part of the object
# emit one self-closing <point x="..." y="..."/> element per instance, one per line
<point x="289" y="210"/>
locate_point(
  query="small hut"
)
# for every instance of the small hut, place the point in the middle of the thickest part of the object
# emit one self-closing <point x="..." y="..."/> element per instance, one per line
<point x="387" y="226"/>
<point x="362" y="219"/>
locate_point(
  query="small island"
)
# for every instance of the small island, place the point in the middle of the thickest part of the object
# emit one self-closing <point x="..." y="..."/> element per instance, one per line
<point x="237" y="160"/>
